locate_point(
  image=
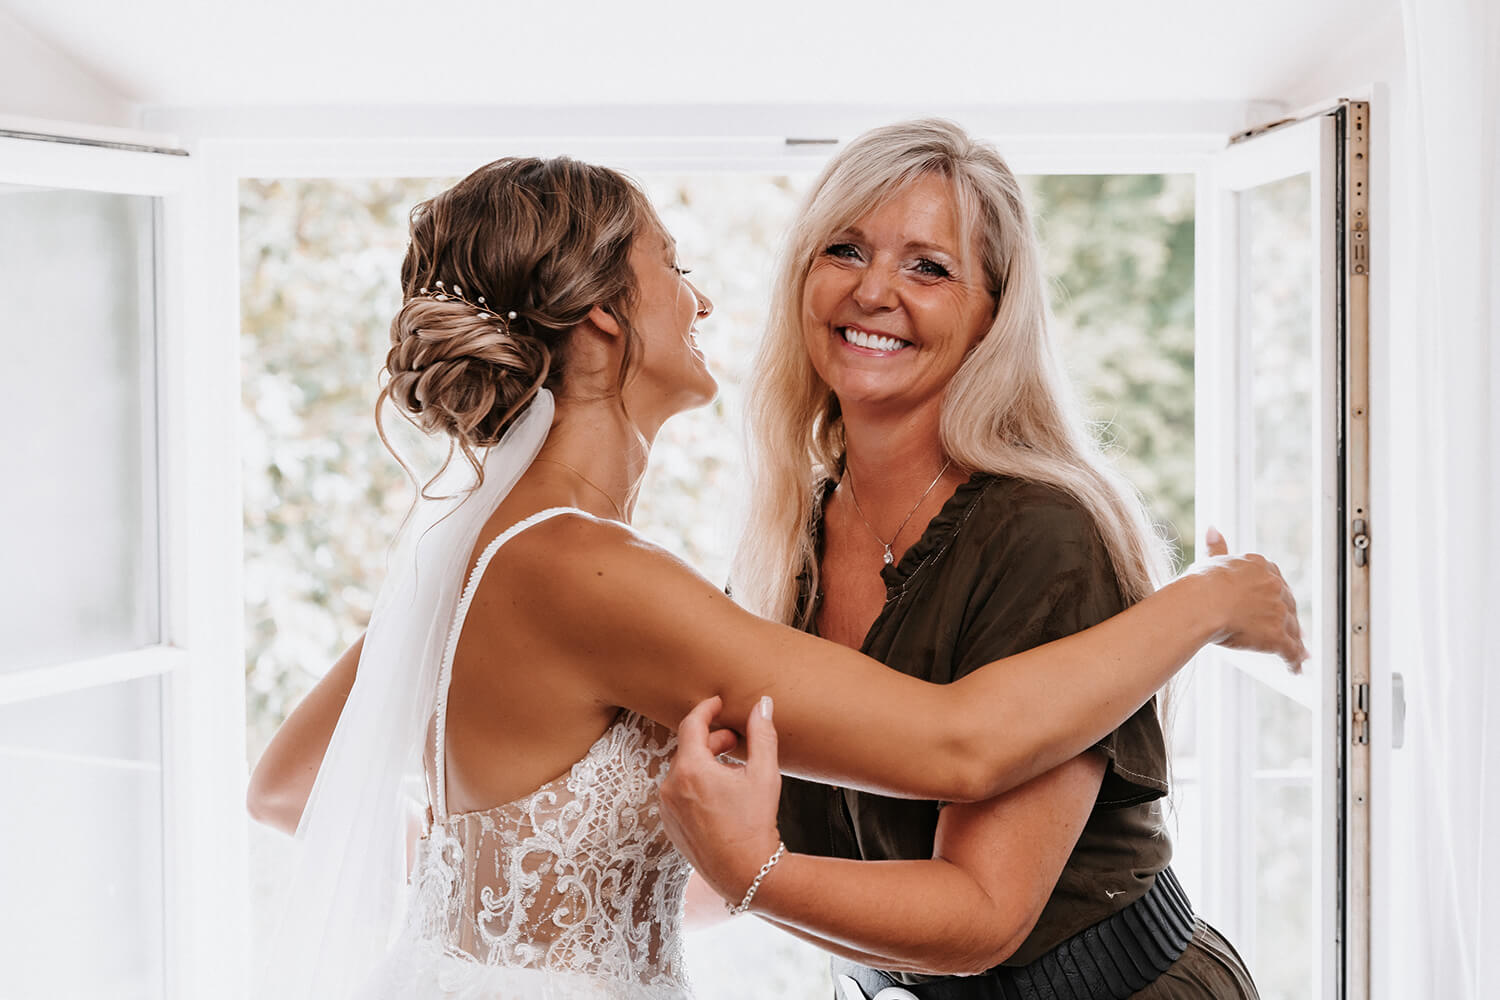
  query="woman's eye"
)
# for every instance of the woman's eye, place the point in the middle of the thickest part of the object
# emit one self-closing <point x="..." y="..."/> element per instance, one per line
<point x="847" y="251"/>
<point x="682" y="270"/>
<point x="932" y="268"/>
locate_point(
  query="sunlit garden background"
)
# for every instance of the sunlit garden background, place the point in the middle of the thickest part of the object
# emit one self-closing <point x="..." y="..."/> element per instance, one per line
<point x="320" y="260"/>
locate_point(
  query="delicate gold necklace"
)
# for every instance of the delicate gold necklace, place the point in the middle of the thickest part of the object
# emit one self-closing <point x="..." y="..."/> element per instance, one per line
<point x="849" y="474"/>
<point x="586" y="479"/>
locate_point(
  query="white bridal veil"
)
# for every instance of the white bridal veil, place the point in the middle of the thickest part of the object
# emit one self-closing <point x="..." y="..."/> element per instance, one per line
<point x="345" y="902"/>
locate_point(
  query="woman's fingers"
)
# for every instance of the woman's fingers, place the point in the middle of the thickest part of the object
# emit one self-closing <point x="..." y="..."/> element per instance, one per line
<point x="693" y="739"/>
<point x="722" y="741"/>
<point x="1262" y="608"/>
<point x="761" y="745"/>
<point x="1214" y="542"/>
<point x="723" y="817"/>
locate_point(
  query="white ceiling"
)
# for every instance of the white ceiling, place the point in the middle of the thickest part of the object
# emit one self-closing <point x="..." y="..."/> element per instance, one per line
<point x="202" y="53"/>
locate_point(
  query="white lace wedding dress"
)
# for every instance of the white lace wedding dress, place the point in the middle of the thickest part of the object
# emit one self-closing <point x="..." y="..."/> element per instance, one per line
<point x="574" y="891"/>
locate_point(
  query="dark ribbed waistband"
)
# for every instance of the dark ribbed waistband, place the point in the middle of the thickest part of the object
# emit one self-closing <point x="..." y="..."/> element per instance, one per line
<point x="1112" y="960"/>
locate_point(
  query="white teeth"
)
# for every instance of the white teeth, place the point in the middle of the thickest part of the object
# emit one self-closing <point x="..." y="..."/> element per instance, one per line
<point x="872" y="341"/>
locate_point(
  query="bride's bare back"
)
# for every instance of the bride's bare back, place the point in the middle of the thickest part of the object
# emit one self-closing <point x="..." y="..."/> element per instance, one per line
<point x="575" y="881"/>
<point x="521" y="711"/>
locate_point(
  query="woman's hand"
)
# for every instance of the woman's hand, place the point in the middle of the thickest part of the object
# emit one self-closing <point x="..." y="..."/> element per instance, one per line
<point x="1258" y="612"/>
<point x="722" y="816"/>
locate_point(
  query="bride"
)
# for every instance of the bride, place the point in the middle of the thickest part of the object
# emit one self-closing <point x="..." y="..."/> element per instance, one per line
<point x="527" y="643"/>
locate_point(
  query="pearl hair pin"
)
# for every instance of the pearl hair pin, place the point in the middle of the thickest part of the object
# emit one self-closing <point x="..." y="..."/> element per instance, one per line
<point x="481" y="308"/>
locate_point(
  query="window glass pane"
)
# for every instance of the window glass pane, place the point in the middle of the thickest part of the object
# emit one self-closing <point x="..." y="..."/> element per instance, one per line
<point x="1281" y="483"/>
<point x="1283" y="475"/>
<point x="1286" y="844"/>
<point x="76" y="268"/>
<point x="81" y="821"/>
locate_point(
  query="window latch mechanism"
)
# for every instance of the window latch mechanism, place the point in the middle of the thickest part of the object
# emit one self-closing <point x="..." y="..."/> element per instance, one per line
<point x="1361" y="541"/>
<point x="1360" y="718"/>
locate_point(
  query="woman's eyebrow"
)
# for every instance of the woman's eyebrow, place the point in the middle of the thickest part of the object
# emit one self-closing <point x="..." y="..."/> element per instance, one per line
<point x="855" y="233"/>
<point x="924" y="245"/>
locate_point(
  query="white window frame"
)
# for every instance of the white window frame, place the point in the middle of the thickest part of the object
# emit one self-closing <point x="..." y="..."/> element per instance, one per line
<point x="197" y="568"/>
<point x="199" y="391"/>
<point x="1223" y="472"/>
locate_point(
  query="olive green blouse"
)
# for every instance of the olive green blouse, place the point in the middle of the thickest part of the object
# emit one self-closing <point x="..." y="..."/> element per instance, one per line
<point x="1004" y="566"/>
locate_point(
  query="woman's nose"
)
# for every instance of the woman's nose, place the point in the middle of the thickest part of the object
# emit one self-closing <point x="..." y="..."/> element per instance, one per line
<point x="705" y="304"/>
<point x="876" y="290"/>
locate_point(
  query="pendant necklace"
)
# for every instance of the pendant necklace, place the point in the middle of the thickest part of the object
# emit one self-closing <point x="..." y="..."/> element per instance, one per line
<point x="889" y="558"/>
<point x="590" y="482"/>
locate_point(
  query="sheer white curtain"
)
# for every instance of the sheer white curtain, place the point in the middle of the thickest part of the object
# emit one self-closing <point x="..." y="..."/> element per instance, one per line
<point x="1445" y="475"/>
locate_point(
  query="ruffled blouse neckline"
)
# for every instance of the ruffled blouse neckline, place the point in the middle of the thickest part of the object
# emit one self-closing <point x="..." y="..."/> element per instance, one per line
<point x="939" y="531"/>
<point x="935" y="537"/>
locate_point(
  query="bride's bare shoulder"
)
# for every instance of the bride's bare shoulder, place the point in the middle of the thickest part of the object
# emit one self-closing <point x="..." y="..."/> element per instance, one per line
<point x="574" y="575"/>
<point x="575" y="551"/>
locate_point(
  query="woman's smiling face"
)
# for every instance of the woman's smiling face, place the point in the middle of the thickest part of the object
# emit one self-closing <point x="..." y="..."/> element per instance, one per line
<point x="665" y="319"/>
<point x="894" y="303"/>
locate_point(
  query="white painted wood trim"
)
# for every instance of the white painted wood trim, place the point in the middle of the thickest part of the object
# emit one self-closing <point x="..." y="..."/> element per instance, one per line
<point x="78" y="675"/>
<point x="90" y="168"/>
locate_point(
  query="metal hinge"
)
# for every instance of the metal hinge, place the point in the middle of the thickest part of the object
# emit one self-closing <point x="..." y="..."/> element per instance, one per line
<point x="1357" y="149"/>
<point x="1361" y="540"/>
<point x="1360" y="721"/>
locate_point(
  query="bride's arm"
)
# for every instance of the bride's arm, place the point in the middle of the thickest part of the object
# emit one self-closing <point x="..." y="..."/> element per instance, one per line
<point x="654" y="636"/>
<point x="670" y="638"/>
<point x="284" y="776"/>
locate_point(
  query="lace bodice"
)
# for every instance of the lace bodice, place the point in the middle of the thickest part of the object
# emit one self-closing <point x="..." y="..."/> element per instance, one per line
<point x="573" y="890"/>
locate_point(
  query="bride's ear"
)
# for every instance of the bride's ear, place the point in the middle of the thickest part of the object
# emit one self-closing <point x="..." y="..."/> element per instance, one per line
<point x="605" y="321"/>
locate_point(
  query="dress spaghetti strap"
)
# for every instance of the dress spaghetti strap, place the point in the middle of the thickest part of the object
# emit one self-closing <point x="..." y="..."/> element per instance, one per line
<point x="445" y="671"/>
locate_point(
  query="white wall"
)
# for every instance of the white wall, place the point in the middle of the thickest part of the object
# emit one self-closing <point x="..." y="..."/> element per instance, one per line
<point x="39" y="81"/>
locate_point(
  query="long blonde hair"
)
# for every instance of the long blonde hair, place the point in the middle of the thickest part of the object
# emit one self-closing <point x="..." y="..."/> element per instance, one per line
<point x="1009" y="409"/>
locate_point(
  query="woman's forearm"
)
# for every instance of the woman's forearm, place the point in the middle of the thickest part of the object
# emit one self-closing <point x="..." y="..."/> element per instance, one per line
<point x="902" y="916"/>
<point x="883" y="962"/>
<point x="702" y="907"/>
<point x="283" y="777"/>
<point x="1089" y="683"/>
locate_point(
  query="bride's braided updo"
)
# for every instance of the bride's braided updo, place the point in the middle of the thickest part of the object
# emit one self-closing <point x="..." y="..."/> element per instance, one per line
<point x="500" y="267"/>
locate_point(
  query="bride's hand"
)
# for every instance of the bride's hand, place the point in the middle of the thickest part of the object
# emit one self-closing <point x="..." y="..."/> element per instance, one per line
<point x="722" y="815"/>
<point x="1257" y="611"/>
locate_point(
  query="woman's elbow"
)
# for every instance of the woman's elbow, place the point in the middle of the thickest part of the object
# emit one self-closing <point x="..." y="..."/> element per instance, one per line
<point x="985" y="954"/>
<point x="997" y="933"/>
<point x="985" y="767"/>
<point x="982" y="757"/>
<point x="268" y="805"/>
<point x="972" y="958"/>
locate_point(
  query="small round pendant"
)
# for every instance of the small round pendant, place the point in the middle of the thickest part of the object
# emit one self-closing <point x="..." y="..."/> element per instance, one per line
<point x="888" y="557"/>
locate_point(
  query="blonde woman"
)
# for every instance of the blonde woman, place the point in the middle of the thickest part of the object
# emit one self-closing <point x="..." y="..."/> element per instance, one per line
<point x="961" y="514"/>
<point x="528" y="644"/>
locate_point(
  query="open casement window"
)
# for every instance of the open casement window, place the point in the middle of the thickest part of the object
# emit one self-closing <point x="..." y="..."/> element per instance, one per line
<point x="1282" y="767"/>
<point x="103" y="760"/>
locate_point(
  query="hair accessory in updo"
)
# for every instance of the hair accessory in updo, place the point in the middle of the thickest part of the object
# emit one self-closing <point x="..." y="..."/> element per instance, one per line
<point x="481" y="308"/>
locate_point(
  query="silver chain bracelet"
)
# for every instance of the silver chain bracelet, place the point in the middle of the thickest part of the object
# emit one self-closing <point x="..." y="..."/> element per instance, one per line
<point x="765" y="870"/>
